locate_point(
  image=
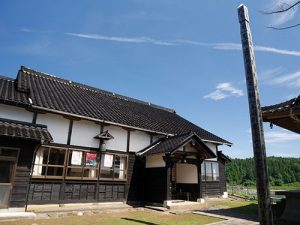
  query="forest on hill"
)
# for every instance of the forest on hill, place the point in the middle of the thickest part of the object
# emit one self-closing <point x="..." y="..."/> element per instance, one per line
<point x="281" y="171"/>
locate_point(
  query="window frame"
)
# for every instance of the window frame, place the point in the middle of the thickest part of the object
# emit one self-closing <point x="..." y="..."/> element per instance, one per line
<point x="113" y="167"/>
<point x="51" y="165"/>
<point x="214" y="177"/>
<point x="65" y="166"/>
<point x="82" y="166"/>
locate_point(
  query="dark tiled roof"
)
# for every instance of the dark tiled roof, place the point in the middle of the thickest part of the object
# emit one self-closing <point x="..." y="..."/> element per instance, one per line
<point x="170" y="144"/>
<point x="283" y="106"/>
<point x="285" y="114"/>
<point x="17" y="129"/>
<point x="224" y="157"/>
<point x="9" y="94"/>
<point x="52" y="93"/>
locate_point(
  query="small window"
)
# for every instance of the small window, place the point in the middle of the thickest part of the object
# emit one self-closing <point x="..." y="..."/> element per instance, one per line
<point x="49" y="162"/>
<point x="113" y="167"/>
<point x="59" y="163"/>
<point x="210" y="171"/>
<point x="215" y="171"/>
<point x="203" y="171"/>
<point x="82" y="165"/>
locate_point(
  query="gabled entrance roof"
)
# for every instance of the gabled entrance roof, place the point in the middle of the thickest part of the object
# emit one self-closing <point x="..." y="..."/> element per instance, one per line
<point x="171" y="144"/>
<point x="18" y="129"/>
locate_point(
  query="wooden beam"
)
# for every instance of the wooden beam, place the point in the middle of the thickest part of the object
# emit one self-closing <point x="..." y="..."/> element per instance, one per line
<point x="70" y="132"/>
<point x="169" y="165"/>
<point x="128" y="141"/>
<point x="198" y="164"/>
<point x="34" y="118"/>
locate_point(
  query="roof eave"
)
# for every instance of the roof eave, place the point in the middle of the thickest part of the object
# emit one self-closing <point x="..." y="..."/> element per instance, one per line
<point x="96" y="120"/>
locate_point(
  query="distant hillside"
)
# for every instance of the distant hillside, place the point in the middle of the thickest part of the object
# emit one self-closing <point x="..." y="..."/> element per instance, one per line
<point x="281" y="171"/>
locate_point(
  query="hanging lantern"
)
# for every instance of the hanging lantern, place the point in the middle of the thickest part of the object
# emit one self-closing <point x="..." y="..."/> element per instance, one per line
<point x="103" y="147"/>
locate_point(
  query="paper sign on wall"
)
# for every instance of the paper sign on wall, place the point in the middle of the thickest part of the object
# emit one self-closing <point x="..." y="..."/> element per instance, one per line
<point x="108" y="160"/>
<point x="76" y="158"/>
<point x="91" y="159"/>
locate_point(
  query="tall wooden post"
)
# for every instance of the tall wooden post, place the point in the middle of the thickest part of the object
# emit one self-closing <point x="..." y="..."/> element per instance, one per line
<point x="200" y="189"/>
<point x="259" y="149"/>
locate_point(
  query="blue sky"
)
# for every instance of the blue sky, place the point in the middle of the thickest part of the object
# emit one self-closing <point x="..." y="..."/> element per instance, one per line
<point x="179" y="54"/>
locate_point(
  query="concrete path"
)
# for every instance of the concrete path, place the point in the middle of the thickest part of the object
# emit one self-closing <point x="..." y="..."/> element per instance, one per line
<point x="17" y="215"/>
<point x="228" y="219"/>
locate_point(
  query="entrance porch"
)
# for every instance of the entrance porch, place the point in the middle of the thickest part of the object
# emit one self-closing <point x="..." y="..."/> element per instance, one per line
<point x="175" y="168"/>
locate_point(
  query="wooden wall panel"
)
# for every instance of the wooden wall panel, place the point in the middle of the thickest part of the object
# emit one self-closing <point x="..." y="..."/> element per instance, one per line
<point x="223" y="187"/>
<point x="21" y="179"/>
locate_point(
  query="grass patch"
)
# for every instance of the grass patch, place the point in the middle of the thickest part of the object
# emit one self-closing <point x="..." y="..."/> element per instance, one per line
<point x="238" y="206"/>
<point x="123" y="218"/>
<point x="250" y="208"/>
<point x="291" y="186"/>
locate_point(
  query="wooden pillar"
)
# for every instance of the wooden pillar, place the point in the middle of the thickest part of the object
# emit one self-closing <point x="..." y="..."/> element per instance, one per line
<point x="198" y="164"/>
<point x="259" y="149"/>
<point x="169" y="165"/>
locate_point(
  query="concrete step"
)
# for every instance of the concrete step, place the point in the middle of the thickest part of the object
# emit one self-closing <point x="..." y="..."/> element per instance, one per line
<point x="17" y="215"/>
<point x="182" y="205"/>
<point x="156" y="208"/>
<point x="78" y="207"/>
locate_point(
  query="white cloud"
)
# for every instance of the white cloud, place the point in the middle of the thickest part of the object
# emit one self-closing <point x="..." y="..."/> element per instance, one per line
<point x="137" y="40"/>
<point x="258" y="48"/>
<point x="270" y="73"/>
<point x="27" y="30"/>
<point x="237" y="46"/>
<point x="280" y="136"/>
<point x="276" y="50"/>
<point x="224" y="90"/>
<point x="147" y="40"/>
<point x="227" y="46"/>
<point x="291" y="79"/>
<point x="281" y="18"/>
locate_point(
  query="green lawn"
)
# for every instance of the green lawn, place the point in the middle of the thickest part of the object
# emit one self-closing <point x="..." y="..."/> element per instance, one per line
<point x="291" y="186"/>
<point x="123" y="218"/>
<point x="238" y="206"/>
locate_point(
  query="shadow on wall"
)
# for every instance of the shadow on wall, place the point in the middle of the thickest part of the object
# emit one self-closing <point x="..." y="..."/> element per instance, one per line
<point x="135" y="180"/>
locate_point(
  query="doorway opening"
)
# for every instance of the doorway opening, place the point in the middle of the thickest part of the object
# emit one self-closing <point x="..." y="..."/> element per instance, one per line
<point x="8" y="162"/>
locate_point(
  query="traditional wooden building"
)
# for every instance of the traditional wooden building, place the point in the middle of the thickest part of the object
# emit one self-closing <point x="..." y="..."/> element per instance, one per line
<point x="65" y="142"/>
<point x="285" y="114"/>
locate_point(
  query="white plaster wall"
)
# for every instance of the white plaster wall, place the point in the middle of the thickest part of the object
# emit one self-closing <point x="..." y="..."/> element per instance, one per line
<point x="119" y="142"/>
<point x="138" y="140"/>
<point x="15" y="113"/>
<point x="180" y="148"/>
<point x="83" y="133"/>
<point x="186" y="174"/>
<point x="153" y="161"/>
<point x="57" y="125"/>
<point x="213" y="147"/>
<point x="189" y="148"/>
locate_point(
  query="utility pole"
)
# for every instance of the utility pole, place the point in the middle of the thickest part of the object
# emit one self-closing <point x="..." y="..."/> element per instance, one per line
<point x="259" y="149"/>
